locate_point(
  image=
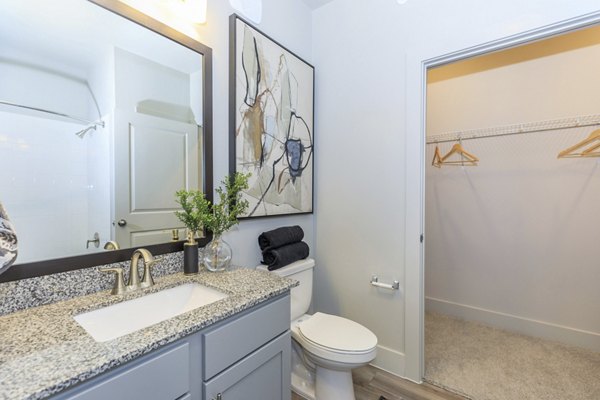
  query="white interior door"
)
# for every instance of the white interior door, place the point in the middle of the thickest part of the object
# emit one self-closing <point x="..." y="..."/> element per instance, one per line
<point x="154" y="157"/>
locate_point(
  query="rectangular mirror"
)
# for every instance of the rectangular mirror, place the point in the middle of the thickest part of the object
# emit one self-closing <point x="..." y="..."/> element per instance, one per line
<point x="104" y="114"/>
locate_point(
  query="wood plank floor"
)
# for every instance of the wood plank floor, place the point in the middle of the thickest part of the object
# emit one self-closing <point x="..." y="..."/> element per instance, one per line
<point x="371" y="383"/>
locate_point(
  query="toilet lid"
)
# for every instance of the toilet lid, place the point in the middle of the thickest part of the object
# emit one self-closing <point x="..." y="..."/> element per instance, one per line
<point x="337" y="333"/>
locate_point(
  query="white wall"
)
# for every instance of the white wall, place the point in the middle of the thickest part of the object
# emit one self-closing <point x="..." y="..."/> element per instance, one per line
<point x="516" y="236"/>
<point x="364" y="53"/>
<point x="359" y="169"/>
<point x="138" y="79"/>
<point x="289" y="22"/>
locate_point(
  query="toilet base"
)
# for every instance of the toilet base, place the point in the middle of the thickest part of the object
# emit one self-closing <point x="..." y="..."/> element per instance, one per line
<point x="334" y="384"/>
<point x="303" y="377"/>
<point x="303" y="388"/>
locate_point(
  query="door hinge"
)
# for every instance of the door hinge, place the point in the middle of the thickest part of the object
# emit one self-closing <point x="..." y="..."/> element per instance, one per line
<point x="421" y="238"/>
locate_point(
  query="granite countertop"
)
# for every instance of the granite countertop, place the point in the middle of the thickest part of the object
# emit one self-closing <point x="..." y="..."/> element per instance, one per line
<point x="43" y="350"/>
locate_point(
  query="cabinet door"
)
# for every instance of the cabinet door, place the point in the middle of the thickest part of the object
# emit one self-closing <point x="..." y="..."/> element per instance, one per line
<point x="263" y="375"/>
<point x="234" y="340"/>
<point x="163" y="375"/>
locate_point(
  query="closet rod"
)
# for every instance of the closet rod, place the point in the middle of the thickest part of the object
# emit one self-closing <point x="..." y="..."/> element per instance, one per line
<point x="543" y="126"/>
<point x="80" y="120"/>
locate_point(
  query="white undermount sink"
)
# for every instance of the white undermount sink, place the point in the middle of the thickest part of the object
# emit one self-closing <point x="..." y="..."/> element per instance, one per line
<point x="129" y="316"/>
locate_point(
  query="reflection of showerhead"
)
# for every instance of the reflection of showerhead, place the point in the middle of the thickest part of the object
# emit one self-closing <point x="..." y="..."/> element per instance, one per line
<point x="81" y="133"/>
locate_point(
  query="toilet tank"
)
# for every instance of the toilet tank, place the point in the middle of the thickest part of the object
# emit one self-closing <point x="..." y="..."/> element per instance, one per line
<point x="301" y="271"/>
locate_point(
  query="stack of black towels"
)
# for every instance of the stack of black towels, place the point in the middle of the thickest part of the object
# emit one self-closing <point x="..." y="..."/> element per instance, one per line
<point x="282" y="246"/>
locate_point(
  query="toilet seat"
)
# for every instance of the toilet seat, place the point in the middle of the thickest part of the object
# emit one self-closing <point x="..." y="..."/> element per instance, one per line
<point x="335" y="338"/>
<point x="337" y="334"/>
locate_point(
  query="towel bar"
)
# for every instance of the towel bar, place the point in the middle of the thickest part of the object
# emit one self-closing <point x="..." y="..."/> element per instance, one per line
<point x="375" y="282"/>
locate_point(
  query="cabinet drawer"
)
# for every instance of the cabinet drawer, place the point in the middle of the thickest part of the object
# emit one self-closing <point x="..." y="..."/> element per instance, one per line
<point x="165" y="376"/>
<point x="264" y="375"/>
<point x="234" y="340"/>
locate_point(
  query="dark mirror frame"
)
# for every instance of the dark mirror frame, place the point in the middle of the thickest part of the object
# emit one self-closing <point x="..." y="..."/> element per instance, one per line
<point x="40" y="268"/>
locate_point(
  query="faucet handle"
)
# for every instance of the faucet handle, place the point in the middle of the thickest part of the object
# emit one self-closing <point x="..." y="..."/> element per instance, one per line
<point x="147" y="280"/>
<point x="119" y="287"/>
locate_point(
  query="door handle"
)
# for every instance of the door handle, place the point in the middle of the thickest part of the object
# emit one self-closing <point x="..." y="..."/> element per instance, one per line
<point x="122" y="223"/>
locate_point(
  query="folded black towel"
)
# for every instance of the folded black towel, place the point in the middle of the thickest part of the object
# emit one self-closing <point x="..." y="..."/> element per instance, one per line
<point x="280" y="237"/>
<point x="284" y="255"/>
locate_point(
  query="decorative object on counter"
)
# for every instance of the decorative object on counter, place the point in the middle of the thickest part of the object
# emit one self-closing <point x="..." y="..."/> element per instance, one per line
<point x="190" y="255"/>
<point x="282" y="246"/>
<point x="271" y="122"/>
<point x="191" y="218"/>
<point x="219" y="218"/>
<point x="8" y="241"/>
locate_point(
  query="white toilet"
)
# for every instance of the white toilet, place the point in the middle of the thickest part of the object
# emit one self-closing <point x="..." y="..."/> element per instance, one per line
<point x="325" y="348"/>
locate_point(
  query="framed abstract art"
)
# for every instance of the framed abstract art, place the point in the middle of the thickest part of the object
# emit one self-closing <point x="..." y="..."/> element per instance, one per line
<point x="271" y="105"/>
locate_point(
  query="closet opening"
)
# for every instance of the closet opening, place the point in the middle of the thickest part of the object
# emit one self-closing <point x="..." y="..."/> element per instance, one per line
<point x="512" y="187"/>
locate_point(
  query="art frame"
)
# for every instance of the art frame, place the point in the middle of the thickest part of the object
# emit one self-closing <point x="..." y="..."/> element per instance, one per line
<point x="271" y="122"/>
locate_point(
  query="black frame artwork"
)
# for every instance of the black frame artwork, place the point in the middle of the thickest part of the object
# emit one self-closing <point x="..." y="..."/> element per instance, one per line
<point x="271" y="122"/>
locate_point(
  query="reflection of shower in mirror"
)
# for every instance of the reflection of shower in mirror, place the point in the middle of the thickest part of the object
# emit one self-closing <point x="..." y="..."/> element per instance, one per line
<point x="81" y="133"/>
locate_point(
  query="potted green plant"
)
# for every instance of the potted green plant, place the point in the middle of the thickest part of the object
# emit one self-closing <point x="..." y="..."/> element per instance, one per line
<point x="217" y="218"/>
<point x="190" y="216"/>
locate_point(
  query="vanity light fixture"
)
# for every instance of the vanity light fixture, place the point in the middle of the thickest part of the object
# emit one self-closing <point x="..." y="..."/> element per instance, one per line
<point x="251" y="9"/>
<point x="193" y="10"/>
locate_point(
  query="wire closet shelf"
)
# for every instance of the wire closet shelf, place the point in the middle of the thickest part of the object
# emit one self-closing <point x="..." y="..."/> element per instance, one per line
<point x="517" y="129"/>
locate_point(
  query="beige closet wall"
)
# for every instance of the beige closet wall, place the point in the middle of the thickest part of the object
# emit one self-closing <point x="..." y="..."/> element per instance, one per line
<point x="512" y="242"/>
<point x="551" y="79"/>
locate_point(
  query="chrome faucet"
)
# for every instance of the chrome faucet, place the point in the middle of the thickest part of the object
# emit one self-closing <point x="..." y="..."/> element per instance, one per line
<point x="134" y="277"/>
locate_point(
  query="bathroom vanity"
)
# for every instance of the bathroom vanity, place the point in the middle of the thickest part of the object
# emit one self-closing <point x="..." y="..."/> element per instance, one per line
<point x="234" y="348"/>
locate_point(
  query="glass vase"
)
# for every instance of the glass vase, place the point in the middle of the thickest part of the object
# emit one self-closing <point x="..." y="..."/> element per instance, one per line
<point x="217" y="254"/>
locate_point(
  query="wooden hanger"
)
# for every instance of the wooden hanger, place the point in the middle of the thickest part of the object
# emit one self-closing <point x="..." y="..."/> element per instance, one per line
<point x="593" y="141"/>
<point x="466" y="158"/>
<point x="437" y="158"/>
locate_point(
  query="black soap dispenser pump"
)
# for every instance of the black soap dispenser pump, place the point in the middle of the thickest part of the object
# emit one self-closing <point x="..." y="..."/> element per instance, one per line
<point x="190" y="255"/>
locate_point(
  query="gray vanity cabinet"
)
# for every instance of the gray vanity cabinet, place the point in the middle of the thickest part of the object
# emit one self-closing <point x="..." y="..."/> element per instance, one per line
<point x="165" y="374"/>
<point x="263" y="375"/>
<point x="237" y="363"/>
<point x="246" y="356"/>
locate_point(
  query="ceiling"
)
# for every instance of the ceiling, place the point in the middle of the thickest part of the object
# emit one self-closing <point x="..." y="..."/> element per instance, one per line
<point x="314" y="4"/>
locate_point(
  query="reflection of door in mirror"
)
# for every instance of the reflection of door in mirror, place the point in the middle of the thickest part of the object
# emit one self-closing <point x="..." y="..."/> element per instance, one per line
<point x="100" y="121"/>
<point x="156" y="148"/>
<point x="154" y="157"/>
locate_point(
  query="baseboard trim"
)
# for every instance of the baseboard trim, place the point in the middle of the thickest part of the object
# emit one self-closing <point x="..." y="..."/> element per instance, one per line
<point x="389" y="360"/>
<point x="514" y="323"/>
